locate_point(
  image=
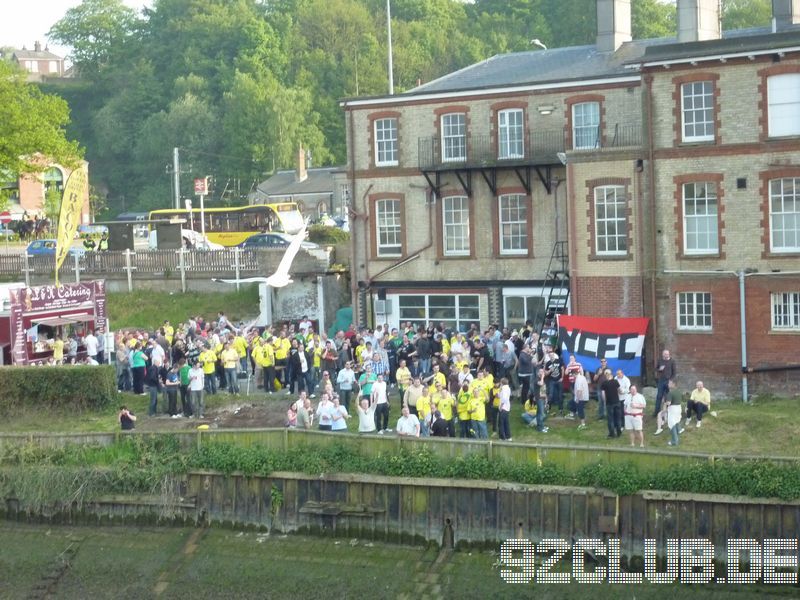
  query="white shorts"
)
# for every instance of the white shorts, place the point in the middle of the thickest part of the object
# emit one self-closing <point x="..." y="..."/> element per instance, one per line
<point x="634" y="423"/>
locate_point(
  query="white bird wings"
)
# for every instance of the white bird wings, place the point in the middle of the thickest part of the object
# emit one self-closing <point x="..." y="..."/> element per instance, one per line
<point x="245" y="280"/>
<point x="291" y="252"/>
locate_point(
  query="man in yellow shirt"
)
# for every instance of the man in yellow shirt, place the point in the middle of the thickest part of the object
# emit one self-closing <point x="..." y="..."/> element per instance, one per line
<point x="240" y="345"/>
<point x="208" y="358"/>
<point x="403" y="378"/>
<point x="477" y="415"/>
<point x="464" y="406"/>
<point x="437" y="377"/>
<point x="169" y="331"/>
<point x="267" y="363"/>
<point x="58" y="350"/>
<point x="230" y="359"/>
<point x="445" y="406"/>
<point x="424" y="409"/>
<point x="281" y="345"/>
<point x="699" y="403"/>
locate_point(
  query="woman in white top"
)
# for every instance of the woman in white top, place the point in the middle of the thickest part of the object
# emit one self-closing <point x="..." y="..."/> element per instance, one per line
<point x="339" y="416"/>
<point x="581" y="392"/>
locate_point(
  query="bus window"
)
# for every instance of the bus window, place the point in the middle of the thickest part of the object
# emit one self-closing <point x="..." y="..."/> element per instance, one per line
<point x="224" y="222"/>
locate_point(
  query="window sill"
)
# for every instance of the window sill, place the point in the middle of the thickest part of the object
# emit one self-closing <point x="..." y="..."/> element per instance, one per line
<point x="388" y="257"/>
<point x="388" y="164"/>
<point x="610" y="257"/>
<point x="784" y="331"/>
<point x="716" y="255"/>
<point x="523" y="254"/>
<point x="782" y="138"/>
<point x="792" y="254"/>
<point x="695" y="331"/>
<point x="693" y="143"/>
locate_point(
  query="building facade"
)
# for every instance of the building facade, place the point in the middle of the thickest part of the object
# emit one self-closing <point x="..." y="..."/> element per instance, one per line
<point x="655" y="178"/>
<point x="39" y="63"/>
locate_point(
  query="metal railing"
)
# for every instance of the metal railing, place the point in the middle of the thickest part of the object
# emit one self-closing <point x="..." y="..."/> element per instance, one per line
<point x="486" y="150"/>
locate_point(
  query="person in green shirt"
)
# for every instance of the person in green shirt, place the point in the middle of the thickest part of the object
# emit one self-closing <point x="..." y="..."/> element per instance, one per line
<point x="186" y="401"/>
<point x="368" y="377"/>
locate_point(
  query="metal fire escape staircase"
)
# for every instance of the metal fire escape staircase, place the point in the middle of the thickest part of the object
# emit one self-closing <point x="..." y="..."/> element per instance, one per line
<point x="556" y="285"/>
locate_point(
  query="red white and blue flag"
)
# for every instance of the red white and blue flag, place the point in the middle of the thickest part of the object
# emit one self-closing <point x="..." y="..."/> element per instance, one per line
<point x="619" y="341"/>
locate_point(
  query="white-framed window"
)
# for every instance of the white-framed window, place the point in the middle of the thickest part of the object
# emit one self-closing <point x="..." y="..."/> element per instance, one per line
<point x="457" y="311"/>
<point x="610" y="221"/>
<point x="32" y="65"/>
<point x="511" y="142"/>
<point x="694" y="311"/>
<point x="586" y="125"/>
<point x="388" y="227"/>
<point x="455" y="222"/>
<point x="785" y="311"/>
<point x="454" y="137"/>
<point x="783" y="92"/>
<point x="386" y="142"/>
<point x="700" y="224"/>
<point x="53" y="67"/>
<point x="784" y="214"/>
<point x="697" y="108"/>
<point x="513" y="212"/>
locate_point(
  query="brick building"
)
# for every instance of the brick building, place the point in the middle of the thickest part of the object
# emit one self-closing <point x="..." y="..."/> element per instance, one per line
<point x="624" y="178"/>
<point x="39" y="63"/>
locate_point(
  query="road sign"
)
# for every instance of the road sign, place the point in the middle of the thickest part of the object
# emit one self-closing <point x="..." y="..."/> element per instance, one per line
<point x="201" y="186"/>
<point x="5" y="217"/>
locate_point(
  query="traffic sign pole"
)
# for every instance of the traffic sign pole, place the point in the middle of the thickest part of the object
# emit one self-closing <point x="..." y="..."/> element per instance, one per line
<point x="5" y="219"/>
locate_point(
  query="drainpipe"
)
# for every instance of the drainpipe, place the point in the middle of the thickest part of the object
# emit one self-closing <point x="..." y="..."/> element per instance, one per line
<point x="743" y="321"/>
<point x="352" y="216"/>
<point x="651" y="173"/>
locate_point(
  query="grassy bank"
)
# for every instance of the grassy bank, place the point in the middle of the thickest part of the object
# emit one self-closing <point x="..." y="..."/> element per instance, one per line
<point x="148" y="309"/>
<point x="765" y="427"/>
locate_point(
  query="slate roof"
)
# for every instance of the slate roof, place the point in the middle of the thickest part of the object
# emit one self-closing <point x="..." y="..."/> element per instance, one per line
<point x="319" y="181"/>
<point x="579" y="63"/>
<point x="34" y="55"/>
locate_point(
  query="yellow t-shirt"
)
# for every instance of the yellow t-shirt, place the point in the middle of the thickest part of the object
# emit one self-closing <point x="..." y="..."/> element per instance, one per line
<point x="282" y="346"/>
<point x="446" y="404"/>
<point x="58" y="350"/>
<point x="464" y="406"/>
<point x="423" y="407"/>
<point x="230" y="358"/>
<point x="318" y="356"/>
<point x="240" y="345"/>
<point x="267" y="356"/>
<point x="438" y="378"/>
<point x="209" y="359"/>
<point x="257" y="352"/>
<point x="169" y="333"/>
<point x="445" y="346"/>
<point x="477" y="410"/>
<point x="403" y="376"/>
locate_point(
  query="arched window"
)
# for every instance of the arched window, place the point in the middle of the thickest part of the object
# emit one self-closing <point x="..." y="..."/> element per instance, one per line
<point x="53" y="178"/>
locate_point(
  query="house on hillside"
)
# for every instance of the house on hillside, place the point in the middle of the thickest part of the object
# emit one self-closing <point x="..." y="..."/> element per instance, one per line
<point x="317" y="191"/>
<point x="623" y="178"/>
<point x="39" y="63"/>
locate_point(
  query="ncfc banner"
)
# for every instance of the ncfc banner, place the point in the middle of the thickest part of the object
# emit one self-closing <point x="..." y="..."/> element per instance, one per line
<point x="619" y="341"/>
<point x="70" y="215"/>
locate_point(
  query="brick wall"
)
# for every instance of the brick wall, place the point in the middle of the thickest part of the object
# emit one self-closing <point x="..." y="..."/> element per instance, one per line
<point x="607" y="296"/>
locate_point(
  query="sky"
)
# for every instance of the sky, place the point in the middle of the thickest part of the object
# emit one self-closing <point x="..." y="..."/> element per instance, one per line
<point x="22" y="22"/>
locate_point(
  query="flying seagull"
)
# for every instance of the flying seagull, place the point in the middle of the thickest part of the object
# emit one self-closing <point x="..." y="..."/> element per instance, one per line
<point x="280" y="278"/>
<point x="538" y="42"/>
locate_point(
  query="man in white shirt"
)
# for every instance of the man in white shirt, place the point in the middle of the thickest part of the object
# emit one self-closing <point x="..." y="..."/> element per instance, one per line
<point x="381" y="400"/>
<point x="304" y="325"/>
<point x="196" y="387"/>
<point x="634" y="415"/>
<point x="408" y="424"/>
<point x="366" y="417"/>
<point x="624" y="391"/>
<point x="90" y="343"/>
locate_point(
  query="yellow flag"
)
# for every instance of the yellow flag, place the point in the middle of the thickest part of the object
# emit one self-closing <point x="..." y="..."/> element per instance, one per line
<point x="70" y="215"/>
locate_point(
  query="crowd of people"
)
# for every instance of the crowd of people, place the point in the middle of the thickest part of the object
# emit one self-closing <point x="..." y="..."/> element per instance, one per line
<point x="443" y="382"/>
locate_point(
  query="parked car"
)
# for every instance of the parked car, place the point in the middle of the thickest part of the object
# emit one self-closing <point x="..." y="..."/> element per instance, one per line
<point x="5" y="232"/>
<point x="273" y="240"/>
<point x="193" y="240"/>
<point x="48" y="248"/>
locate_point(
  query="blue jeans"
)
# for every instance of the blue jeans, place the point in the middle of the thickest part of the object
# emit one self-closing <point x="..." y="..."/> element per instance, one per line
<point x="528" y="418"/>
<point x="555" y="392"/>
<point x="504" y="425"/>
<point x="674" y="433"/>
<point x="464" y="428"/>
<point x="601" y="405"/>
<point x="540" y="416"/>
<point x="480" y="429"/>
<point x="153" y="400"/>
<point x="424" y="366"/>
<point x="211" y="383"/>
<point x="663" y="390"/>
<point x="230" y="379"/>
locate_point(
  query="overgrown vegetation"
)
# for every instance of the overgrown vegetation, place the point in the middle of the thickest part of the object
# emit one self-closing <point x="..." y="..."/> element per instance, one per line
<point x="147" y="309"/>
<point x="150" y="465"/>
<point x="321" y="234"/>
<point x="74" y="388"/>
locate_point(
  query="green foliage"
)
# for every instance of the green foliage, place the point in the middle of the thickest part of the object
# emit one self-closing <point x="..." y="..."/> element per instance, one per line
<point x="45" y="388"/>
<point x="322" y="235"/>
<point x="31" y="122"/>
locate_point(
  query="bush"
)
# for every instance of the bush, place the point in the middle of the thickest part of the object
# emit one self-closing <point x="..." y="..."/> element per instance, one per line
<point x="72" y="387"/>
<point x="320" y="234"/>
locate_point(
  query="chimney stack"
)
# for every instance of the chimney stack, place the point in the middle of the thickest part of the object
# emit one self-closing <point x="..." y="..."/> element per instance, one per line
<point x="301" y="174"/>
<point x="785" y="13"/>
<point x="37" y="47"/>
<point x="698" y="20"/>
<point x="613" y="24"/>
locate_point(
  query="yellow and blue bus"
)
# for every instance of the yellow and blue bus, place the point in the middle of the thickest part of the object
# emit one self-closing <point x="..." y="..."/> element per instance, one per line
<point x="232" y="225"/>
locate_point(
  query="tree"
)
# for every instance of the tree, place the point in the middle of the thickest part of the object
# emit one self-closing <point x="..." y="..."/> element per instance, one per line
<point x="31" y="124"/>
<point x="95" y="30"/>
<point x="739" y="14"/>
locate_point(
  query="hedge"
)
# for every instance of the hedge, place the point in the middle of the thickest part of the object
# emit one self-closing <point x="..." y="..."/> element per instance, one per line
<point x="320" y="234"/>
<point x="72" y="387"/>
